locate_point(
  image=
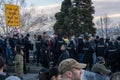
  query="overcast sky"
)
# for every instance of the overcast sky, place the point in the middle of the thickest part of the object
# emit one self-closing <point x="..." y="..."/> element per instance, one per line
<point x="102" y="7"/>
<point x="43" y="2"/>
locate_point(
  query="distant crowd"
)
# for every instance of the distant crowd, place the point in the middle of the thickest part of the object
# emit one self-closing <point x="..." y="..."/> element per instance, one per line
<point x="94" y="54"/>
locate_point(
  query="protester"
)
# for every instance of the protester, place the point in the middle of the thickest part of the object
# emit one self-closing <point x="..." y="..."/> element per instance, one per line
<point x="51" y="74"/>
<point x="64" y="54"/>
<point x="99" y="67"/>
<point x="2" y="47"/>
<point x="3" y="75"/>
<point x="80" y="47"/>
<point x="13" y="78"/>
<point x="38" y="46"/>
<point x="117" y="44"/>
<point x="19" y="61"/>
<point x="27" y="46"/>
<point x="66" y="39"/>
<point x="58" y="42"/>
<point x="115" y="76"/>
<point x="72" y="48"/>
<point x="45" y="36"/>
<point x="9" y="47"/>
<point x="100" y="48"/>
<point x="42" y="70"/>
<point x="70" y="69"/>
<point x="111" y="56"/>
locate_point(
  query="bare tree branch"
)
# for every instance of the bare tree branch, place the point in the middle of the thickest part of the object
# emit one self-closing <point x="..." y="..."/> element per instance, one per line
<point x="20" y="3"/>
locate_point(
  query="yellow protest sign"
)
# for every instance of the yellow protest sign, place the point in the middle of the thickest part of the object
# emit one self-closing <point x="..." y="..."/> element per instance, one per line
<point x="12" y="15"/>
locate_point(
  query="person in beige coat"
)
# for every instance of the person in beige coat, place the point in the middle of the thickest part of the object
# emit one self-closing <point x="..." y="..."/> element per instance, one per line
<point x="19" y="61"/>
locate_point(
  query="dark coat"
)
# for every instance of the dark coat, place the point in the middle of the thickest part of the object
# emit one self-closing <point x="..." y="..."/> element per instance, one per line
<point x="100" y="48"/>
<point x="10" y="41"/>
<point x="80" y="45"/>
<point x="111" y="53"/>
<point x="64" y="55"/>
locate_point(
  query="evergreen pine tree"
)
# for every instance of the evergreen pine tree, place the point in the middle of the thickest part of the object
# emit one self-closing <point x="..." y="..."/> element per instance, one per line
<point x="75" y="18"/>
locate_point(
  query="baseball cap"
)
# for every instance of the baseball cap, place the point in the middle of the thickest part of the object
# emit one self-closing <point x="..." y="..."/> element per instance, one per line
<point x="100" y="68"/>
<point x="69" y="64"/>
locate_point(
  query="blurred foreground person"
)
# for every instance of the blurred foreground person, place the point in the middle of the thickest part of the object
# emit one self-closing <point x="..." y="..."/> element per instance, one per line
<point x="13" y="78"/>
<point x="88" y="75"/>
<point x="115" y="76"/>
<point x="3" y="75"/>
<point x="51" y="74"/>
<point x="99" y="67"/>
<point x="70" y="69"/>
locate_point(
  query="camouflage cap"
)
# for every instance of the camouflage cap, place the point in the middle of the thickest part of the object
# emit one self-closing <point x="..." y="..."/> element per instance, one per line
<point x="69" y="64"/>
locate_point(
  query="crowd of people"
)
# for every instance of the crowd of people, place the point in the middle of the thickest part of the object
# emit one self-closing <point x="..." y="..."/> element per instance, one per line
<point x="62" y="56"/>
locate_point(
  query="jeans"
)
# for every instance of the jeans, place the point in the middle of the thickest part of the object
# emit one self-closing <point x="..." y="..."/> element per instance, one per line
<point x="8" y="54"/>
<point x="81" y="56"/>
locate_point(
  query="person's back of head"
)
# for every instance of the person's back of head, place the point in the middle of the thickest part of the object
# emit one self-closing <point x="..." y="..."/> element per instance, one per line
<point x="41" y="73"/>
<point x="115" y="76"/>
<point x="50" y="74"/>
<point x="100" y="60"/>
<point x="53" y="73"/>
<point x="18" y="48"/>
<point x="43" y="76"/>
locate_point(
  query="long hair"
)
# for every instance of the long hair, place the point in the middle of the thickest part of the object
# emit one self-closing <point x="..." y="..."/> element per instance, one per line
<point x="18" y="49"/>
<point x="47" y="75"/>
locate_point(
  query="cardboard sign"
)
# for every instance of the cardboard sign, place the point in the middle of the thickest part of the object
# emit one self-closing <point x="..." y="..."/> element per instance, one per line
<point x="12" y="15"/>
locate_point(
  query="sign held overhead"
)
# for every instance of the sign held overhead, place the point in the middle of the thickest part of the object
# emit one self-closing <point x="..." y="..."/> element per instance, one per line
<point x="12" y="15"/>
